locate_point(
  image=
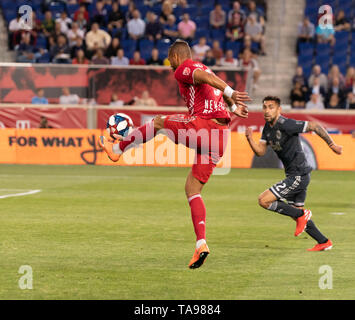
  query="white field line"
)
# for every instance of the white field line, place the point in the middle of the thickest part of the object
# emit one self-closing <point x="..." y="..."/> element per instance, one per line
<point x="19" y="194"/>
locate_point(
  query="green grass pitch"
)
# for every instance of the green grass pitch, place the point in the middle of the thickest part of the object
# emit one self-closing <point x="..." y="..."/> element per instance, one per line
<point x="100" y="232"/>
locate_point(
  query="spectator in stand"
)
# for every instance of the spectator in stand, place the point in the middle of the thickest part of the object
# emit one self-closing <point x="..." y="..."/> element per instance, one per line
<point x="115" y="101"/>
<point x="325" y="34"/>
<point x="120" y="59"/>
<point x="83" y="12"/>
<point x="81" y="21"/>
<point x="146" y="100"/>
<point x="170" y="28"/>
<point x="317" y="73"/>
<point x="349" y="78"/>
<point x="129" y="12"/>
<point x="335" y="102"/>
<point x="299" y="77"/>
<point x="25" y="52"/>
<point x="116" y="18"/>
<point x="229" y="60"/>
<point x="209" y="59"/>
<point x="253" y="10"/>
<point x="199" y="50"/>
<point x="248" y="44"/>
<point x="305" y="31"/>
<point x="341" y="22"/>
<point x="48" y="24"/>
<point x="318" y="88"/>
<point x="97" y="38"/>
<point x="217" y="51"/>
<point x="80" y="58"/>
<point x="236" y="9"/>
<point x="99" y="14"/>
<point x="235" y="29"/>
<point x="67" y="98"/>
<point x="113" y="47"/>
<point x="57" y="31"/>
<point x="350" y="102"/>
<point x="154" y="29"/>
<point x="74" y="33"/>
<point x="166" y="11"/>
<point x="154" y="59"/>
<point x="255" y="31"/>
<point x="335" y="89"/>
<point x="60" y="52"/>
<point x="297" y="96"/>
<point x="79" y="45"/>
<point x="217" y="17"/>
<point x="187" y="28"/>
<point x="43" y="123"/>
<point x="15" y="26"/>
<point x="99" y="58"/>
<point x="136" y="26"/>
<point x="248" y="62"/>
<point x="334" y="72"/>
<point x="315" y="103"/>
<point x="39" y="98"/>
<point x="137" y="60"/>
<point x="65" y="22"/>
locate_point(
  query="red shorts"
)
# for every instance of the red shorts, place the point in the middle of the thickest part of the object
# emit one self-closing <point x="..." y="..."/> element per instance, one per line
<point x="208" y="138"/>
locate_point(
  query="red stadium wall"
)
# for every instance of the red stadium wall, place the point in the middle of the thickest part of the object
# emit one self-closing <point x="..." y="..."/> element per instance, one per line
<point x="55" y="146"/>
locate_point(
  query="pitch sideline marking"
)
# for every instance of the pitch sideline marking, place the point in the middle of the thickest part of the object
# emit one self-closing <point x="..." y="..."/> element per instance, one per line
<point x="20" y="194"/>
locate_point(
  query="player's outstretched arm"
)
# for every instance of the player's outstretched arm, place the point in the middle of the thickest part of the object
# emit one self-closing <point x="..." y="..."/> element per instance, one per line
<point x="204" y="77"/>
<point x="258" y="148"/>
<point x="320" y="131"/>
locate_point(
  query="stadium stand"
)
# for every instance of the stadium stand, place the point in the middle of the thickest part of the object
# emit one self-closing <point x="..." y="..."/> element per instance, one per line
<point x="53" y="18"/>
<point x="329" y="50"/>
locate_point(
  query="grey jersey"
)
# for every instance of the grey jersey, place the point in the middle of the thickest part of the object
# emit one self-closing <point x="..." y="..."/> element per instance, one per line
<point x="284" y="140"/>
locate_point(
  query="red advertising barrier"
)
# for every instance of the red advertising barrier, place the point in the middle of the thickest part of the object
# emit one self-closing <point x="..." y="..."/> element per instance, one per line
<point x="336" y="121"/>
<point x="26" y="118"/>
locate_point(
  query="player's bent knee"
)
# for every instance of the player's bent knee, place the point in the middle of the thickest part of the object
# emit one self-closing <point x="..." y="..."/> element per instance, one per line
<point x="263" y="202"/>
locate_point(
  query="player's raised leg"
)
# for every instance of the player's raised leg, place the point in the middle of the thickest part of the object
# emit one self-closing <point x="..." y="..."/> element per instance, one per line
<point x="193" y="188"/>
<point x="138" y="136"/>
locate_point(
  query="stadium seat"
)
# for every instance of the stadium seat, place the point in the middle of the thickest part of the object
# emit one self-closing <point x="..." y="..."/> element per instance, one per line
<point x="145" y="47"/>
<point x="342" y="37"/>
<point x="218" y="34"/>
<point x="306" y="48"/>
<point x="71" y="8"/>
<point x="129" y="46"/>
<point x="41" y="42"/>
<point x="341" y="63"/>
<point x="163" y="47"/>
<point x="235" y="46"/>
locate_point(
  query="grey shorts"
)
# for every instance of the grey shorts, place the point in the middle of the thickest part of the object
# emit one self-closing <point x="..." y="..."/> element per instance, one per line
<point x="293" y="189"/>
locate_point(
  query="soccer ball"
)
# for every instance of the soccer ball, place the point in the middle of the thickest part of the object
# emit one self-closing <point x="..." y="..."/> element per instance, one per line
<point x="119" y="125"/>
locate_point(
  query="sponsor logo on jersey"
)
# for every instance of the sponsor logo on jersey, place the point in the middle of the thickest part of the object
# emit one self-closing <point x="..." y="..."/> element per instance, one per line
<point x="186" y="71"/>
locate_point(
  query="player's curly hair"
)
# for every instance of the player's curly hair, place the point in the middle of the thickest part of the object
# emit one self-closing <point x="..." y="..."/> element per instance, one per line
<point x="273" y="98"/>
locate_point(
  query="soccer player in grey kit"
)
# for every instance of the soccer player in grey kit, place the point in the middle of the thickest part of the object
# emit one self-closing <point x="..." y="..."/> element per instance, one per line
<point x="287" y="197"/>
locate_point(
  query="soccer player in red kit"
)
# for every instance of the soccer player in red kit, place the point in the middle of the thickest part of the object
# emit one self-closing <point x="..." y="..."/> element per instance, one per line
<point x="205" y="95"/>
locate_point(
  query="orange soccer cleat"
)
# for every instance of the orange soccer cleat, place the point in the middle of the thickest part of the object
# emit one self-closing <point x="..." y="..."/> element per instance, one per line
<point x="302" y="222"/>
<point x="199" y="256"/>
<point x="322" y="246"/>
<point x="107" y="147"/>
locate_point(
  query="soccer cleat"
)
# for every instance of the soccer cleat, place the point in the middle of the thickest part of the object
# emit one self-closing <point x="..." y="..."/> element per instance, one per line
<point x="301" y="222"/>
<point x="322" y="246"/>
<point x="107" y="147"/>
<point x="199" y="256"/>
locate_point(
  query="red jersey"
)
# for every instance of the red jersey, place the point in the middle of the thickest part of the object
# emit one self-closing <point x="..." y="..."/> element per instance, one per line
<point x="201" y="99"/>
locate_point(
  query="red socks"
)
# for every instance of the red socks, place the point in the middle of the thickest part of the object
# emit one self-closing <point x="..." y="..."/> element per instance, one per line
<point x="198" y="214"/>
<point x="138" y="136"/>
